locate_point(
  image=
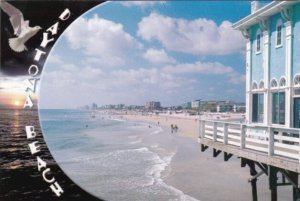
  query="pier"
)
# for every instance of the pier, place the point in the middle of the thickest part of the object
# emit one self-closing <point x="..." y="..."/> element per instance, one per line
<point x="270" y="150"/>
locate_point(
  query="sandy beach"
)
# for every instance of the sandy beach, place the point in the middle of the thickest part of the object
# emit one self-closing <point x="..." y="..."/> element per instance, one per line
<point x="187" y="126"/>
<point x="200" y="175"/>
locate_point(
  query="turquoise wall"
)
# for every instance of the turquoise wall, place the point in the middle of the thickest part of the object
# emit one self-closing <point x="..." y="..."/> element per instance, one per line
<point x="296" y="40"/>
<point x="257" y="71"/>
<point x="277" y="54"/>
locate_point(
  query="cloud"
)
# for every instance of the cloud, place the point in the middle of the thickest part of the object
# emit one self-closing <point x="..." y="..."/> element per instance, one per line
<point x="140" y="3"/>
<point x="74" y="85"/>
<point x="213" y="68"/>
<point x="200" y="36"/>
<point x="55" y="59"/>
<point x="103" y="39"/>
<point x="158" y="56"/>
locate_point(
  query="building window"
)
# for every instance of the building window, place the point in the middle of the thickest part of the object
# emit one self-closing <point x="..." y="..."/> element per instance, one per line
<point x="261" y="85"/>
<point x="274" y="83"/>
<point x="282" y="82"/>
<point x="278" y="108"/>
<point x="258" y="108"/>
<point x="297" y="80"/>
<point x="279" y="33"/>
<point x="258" y="42"/>
<point x="254" y="86"/>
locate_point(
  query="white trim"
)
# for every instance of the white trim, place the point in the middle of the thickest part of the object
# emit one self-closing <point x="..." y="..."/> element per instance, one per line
<point x="254" y="83"/>
<point x="273" y="81"/>
<point x="264" y="12"/>
<point x="248" y="81"/>
<point x="261" y="85"/>
<point x="288" y="71"/>
<point x="294" y="80"/>
<point x="266" y="70"/>
<point x="280" y="82"/>
<point x="279" y="125"/>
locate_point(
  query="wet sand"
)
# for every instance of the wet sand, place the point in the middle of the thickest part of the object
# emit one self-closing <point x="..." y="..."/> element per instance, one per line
<point x="203" y="177"/>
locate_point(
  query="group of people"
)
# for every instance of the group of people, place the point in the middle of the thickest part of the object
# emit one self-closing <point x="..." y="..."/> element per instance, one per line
<point x="174" y="128"/>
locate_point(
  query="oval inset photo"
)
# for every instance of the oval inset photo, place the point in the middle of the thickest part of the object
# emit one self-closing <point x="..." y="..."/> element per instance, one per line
<point x="123" y="91"/>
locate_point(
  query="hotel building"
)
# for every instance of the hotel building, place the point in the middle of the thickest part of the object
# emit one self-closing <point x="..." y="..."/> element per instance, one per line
<point x="272" y="31"/>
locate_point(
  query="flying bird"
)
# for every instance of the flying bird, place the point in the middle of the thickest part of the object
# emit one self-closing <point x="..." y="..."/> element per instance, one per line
<point x="21" y="27"/>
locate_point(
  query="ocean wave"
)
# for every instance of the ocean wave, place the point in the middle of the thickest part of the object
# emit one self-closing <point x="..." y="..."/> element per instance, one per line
<point x="136" y="142"/>
<point x="160" y="164"/>
<point x="117" y="119"/>
<point x="154" y="146"/>
<point x="159" y="129"/>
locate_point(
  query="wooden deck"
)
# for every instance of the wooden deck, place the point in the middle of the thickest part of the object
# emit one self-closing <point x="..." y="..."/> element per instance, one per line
<point x="275" y="146"/>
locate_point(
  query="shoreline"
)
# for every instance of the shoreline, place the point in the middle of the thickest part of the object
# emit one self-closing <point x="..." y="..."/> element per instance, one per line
<point x="199" y="175"/>
<point x="187" y="127"/>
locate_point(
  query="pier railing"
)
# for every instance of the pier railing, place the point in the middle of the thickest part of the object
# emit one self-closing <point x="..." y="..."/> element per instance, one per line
<point x="274" y="141"/>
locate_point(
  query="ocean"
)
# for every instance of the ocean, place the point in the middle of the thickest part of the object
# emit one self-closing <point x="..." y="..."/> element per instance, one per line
<point x="19" y="177"/>
<point x="112" y="158"/>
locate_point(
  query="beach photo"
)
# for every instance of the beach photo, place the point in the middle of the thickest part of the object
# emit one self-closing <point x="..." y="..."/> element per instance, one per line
<point x="149" y="100"/>
<point x="173" y="100"/>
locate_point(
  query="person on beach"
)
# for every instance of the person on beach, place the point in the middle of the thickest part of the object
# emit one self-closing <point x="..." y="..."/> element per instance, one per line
<point x="175" y="128"/>
<point x="172" y="128"/>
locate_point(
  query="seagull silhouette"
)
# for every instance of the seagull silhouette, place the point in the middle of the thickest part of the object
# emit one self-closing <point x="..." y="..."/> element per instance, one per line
<point x="21" y="28"/>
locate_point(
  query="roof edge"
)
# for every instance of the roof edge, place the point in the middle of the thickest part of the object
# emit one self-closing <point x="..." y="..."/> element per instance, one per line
<point x="265" y="11"/>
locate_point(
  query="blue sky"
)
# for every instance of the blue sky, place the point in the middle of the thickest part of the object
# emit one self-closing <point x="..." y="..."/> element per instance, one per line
<point x="133" y="52"/>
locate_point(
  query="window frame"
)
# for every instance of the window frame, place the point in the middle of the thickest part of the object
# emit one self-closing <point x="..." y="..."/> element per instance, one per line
<point x="274" y="84"/>
<point x="258" y="41"/>
<point x="258" y="108"/>
<point x="279" y="24"/>
<point x="282" y="83"/>
<point x="296" y="80"/>
<point x="279" y="108"/>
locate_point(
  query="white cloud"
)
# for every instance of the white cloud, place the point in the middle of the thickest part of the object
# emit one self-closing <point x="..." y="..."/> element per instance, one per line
<point x="158" y="56"/>
<point x="140" y="3"/>
<point x="214" y="68"/>
<point x="73" y="85"/>
<point x="103" y="39"/>
<point x="200" y="36"/>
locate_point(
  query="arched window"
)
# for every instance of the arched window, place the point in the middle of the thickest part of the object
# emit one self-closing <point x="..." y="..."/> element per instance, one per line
<point x="282" y="82"/>
<point x="274" y="83"/>
<point x="279" y="33"/>
<point x="297" y="80"/>
<point x="254" y="85"/>
<point x="258" y="39"/>
<point x="261" y="85"/>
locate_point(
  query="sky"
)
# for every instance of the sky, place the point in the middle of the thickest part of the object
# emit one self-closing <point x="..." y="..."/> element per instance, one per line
<point x="133" y="52"/>
<point x="13" y="91"/>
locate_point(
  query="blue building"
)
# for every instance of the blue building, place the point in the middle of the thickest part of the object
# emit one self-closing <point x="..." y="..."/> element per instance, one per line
<point x="269" y="140"/>
<point x="272" y="63"/>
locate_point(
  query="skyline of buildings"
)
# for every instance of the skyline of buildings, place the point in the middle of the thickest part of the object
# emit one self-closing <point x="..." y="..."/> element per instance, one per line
<point x="202" y="106"/>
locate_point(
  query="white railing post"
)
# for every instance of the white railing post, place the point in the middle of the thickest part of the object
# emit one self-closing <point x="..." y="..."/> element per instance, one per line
<point x="225" y="133"/>
<point x="271" y="141"/>
<point x="243" y="136"/>
<point x="299" y="145"/>
<point x="203" y="129"/>
<point x="215" y="132"/>
<point x="200" y="129"/>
